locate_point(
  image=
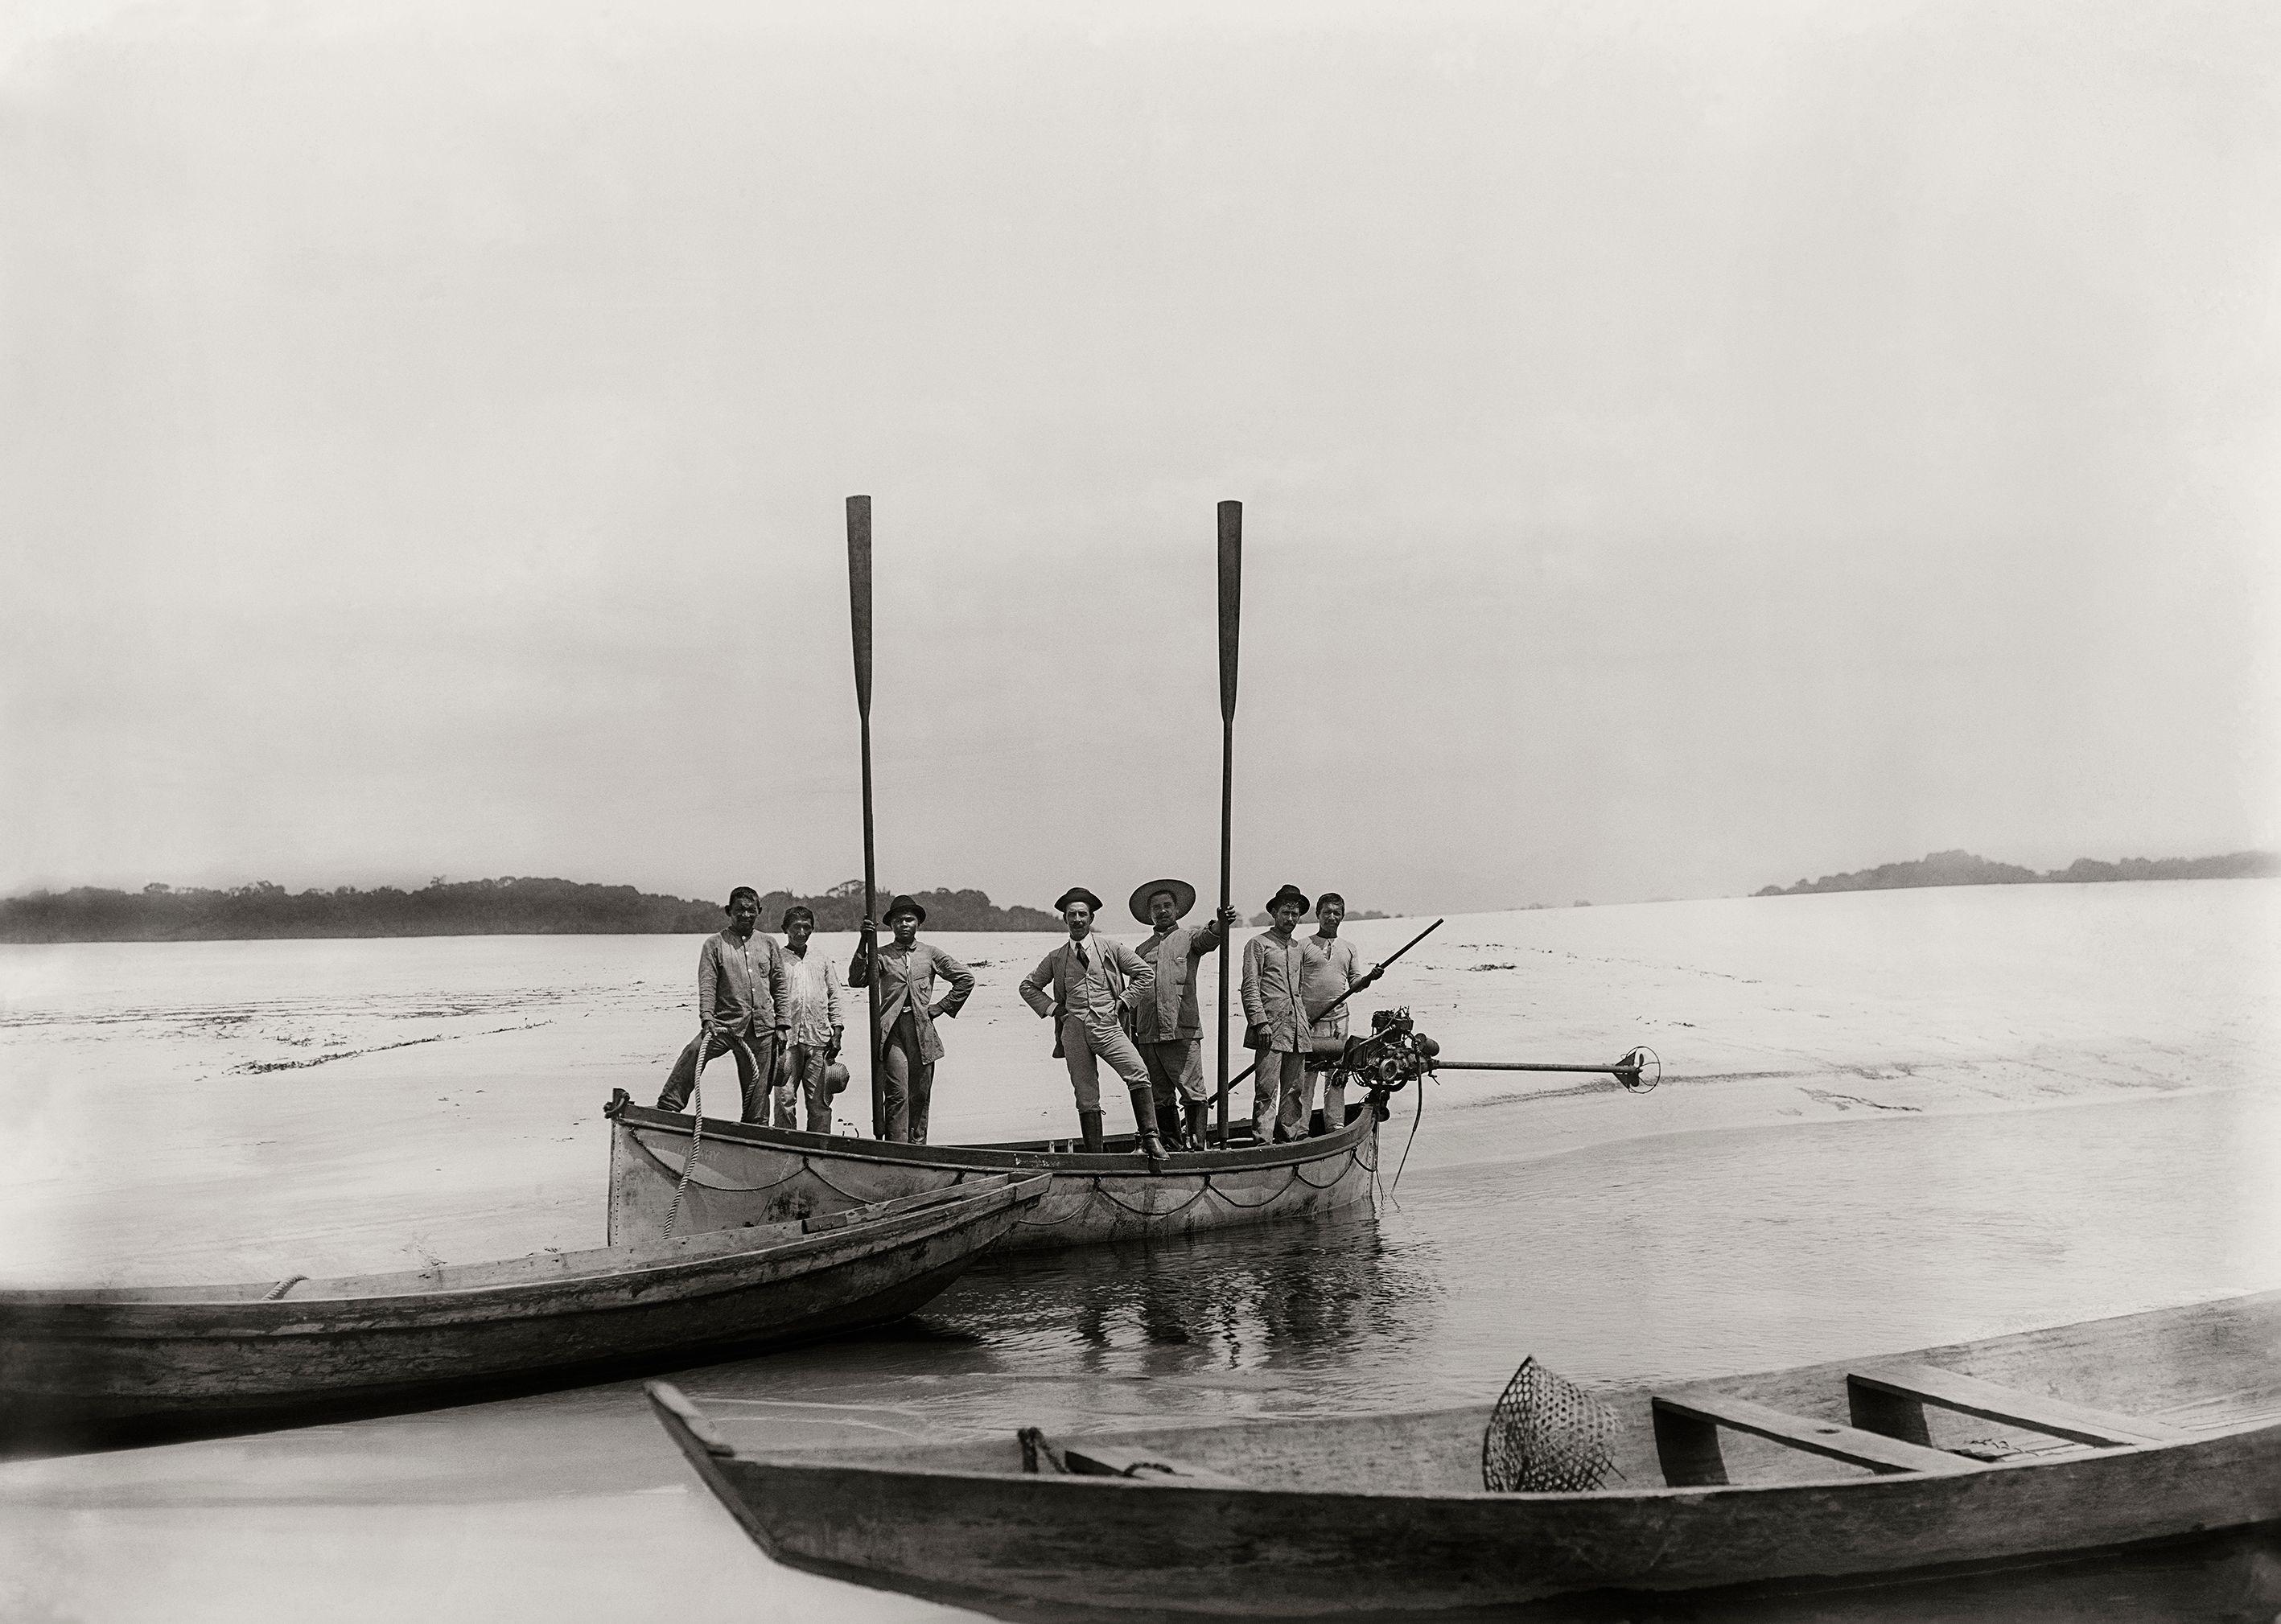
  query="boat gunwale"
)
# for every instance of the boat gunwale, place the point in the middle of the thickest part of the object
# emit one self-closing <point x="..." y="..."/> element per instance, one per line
<point x="825" y="1247"/>
<point x="1014" y="1156"/>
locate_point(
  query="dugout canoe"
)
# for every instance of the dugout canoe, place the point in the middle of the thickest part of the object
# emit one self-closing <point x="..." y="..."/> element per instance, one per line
<point x="747" y="1173"/>
<point x="131" y="1364"/>
<point x="2146" y="1428"/>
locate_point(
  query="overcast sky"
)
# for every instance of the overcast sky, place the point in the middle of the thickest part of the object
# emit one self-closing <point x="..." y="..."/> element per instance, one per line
<point x="1684" y="447"/>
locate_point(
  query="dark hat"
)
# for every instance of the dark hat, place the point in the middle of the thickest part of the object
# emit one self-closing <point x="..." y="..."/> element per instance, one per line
<point x="903" y="905"/>
<point x="1184" y="897"/>
<point x="1290" y="893"/>
<point x="1076" y="893"/>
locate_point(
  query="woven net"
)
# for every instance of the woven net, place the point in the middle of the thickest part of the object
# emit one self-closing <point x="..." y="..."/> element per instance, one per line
<point x="1547" y="1435"/>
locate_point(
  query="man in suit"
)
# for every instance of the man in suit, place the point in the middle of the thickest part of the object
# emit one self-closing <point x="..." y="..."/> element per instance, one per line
<point x="1096" y="986"/>
<point x="908" y="1046"/>
<point x="740" y="989"/>
<point x="1167" y="1029"/>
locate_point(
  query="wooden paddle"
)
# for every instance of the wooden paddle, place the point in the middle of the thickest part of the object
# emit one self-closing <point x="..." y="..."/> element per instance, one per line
<point x="859" y="615"/>
<point x="1231" y="616"/>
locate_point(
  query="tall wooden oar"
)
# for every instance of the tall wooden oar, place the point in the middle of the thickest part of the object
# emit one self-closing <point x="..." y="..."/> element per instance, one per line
<point x="859" y="615"/>
<point x="1227" y="1082"/>
<point x="1231" y="617"/>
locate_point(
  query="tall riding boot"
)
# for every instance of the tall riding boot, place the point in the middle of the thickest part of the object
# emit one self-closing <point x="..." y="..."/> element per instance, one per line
<point x="1168" y="1124"/>
<point x="1197" y="1112"/>
<point x="1089" y="1121"/>
<point x="1144" y="1118"/>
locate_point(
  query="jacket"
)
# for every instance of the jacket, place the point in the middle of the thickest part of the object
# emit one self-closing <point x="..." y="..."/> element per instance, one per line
<point x="740" y="985"/>
<point x="1130" y="978"/>
<point x="1173" y="1012"/>
<point x="906" y="980"/>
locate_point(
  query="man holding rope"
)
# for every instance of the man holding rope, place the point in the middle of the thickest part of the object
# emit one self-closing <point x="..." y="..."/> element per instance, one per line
<point x="740" y="987"/>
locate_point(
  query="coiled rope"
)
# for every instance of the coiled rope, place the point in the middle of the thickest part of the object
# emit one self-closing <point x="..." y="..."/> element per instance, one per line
<point x="696" y="1130"/>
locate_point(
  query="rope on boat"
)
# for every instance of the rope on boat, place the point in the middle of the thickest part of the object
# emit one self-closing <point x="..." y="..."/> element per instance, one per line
<point x="1203" y="1189"/>
<point x="696" y="1130"/>
<point x="1033" y="1445"/>
<point x="282" y="1287"/>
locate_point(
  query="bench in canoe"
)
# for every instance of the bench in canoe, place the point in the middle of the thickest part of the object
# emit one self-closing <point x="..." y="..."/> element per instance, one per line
<point x="132" y="1364"/>
<point x="747" y="1173"/>
<point x="2144" y="1427"/>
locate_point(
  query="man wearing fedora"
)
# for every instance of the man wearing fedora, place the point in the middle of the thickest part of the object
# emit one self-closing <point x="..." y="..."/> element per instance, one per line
<point x="1275" y="1016"/>
<point x="740" y="987"/>
<point x="1097" y="984"/>
<point x="1166" y="1028"/>
<point x="813" y="1026"/>
<point x="908" y="1009"/>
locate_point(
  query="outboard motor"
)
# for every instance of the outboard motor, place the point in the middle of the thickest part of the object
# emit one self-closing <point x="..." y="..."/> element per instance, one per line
<point x="1394" y="1056"/>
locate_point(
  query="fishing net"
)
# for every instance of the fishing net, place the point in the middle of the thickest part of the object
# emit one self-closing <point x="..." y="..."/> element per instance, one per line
<point x="1547" y="1435"/>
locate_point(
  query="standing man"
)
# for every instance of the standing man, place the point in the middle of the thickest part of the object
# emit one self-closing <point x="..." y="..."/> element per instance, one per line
<point x="1096" y="985"/>
<point x="1166" y="1028"/>
<point x="908" y="1009"/>
<point x="1275" y="1014"/>
<point x="813" y="1026"/>
<point x="1331" y="972"/>
<point x="740" y="989"/>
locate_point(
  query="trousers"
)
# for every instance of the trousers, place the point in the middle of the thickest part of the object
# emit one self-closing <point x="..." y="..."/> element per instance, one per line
<point x="756" y="1065"/>
<point x="906" y="1081"/>
<point x="1334" y="1098"/>
<point x="1279" y="1094"/>
<point x="1176" y="1070"/>
<point x="804" y="1084"/>
<point x="1087" y="1041"/>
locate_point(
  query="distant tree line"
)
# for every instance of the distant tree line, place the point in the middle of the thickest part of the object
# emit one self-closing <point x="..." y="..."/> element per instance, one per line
<point x="1966" y="868"/>
<point x="505" y="907"/>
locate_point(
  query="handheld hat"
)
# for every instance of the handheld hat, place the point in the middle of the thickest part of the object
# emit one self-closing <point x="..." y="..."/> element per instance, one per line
<point x="835" y="1077"/>
<point x="1076" y="893"/>
<point x="904" y="905"/>
<point x="1184" y="897"/>
<point x="1290" y="893"/>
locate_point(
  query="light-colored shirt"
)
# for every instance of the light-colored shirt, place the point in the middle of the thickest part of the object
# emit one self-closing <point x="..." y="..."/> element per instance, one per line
<point x="812" y="1006"/>
<point x="740" y="985"/>
<point x="1273" y="972"/>
<point x="1331" y="969"/>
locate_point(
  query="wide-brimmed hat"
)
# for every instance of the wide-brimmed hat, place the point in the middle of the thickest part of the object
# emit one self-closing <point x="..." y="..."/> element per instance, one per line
<point x="1184" y="897"/>
<point x="1293" y="894"/>
<point x="1076" y="893"/>
<point x="903" y="905"/>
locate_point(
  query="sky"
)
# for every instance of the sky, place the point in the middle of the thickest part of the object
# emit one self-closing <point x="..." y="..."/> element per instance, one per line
<point x="1683" y="448"/>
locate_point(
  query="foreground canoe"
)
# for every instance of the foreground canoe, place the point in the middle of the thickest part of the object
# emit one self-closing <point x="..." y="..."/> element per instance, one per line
<point x="119" y="1365"/>
<point x="2022" y="1448"/>
<point x="746" y="1173"/>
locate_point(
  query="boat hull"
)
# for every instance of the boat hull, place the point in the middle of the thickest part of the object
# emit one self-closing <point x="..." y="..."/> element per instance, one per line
<point x="963" y="1524"/>
<point x="116" y="1366"/>
<point x="745" y="1174"/>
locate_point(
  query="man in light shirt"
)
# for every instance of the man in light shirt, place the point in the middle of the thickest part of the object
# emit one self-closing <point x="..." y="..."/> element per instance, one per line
<point x="1097" y="984"/>
<point x="815" y="1026"/>
<point x="1275" y="1018"/>
<point x="1330" y="971"/>
<point x="740" y="987"/>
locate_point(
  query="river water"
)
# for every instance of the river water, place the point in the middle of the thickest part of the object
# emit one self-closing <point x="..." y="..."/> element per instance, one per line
<point x="1887" y="1120"/>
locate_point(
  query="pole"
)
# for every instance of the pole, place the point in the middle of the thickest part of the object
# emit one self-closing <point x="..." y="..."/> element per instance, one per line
<point x="859" y="615"/>
<point x="1231" y="616"/>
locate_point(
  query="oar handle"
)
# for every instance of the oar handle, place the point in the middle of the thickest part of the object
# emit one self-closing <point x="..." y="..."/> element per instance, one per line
<point x="1383" y="965"/>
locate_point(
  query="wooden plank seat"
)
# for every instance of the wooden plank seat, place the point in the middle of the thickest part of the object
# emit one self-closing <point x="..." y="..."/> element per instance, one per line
<point x="1112" y="1460"/>
<point x="1890" y="1398"/>
<point x="1686" y="1439"/>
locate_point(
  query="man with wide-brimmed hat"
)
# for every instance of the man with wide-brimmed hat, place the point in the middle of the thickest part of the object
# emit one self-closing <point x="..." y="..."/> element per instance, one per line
<point x="815" y="1027"/>
<point x="1097" y="984"/>
<point x="740" y="989"/>
<point x="1166" y="1029"/>
<point x="908" y="1009"/>
<point x="1275" y="1015"/>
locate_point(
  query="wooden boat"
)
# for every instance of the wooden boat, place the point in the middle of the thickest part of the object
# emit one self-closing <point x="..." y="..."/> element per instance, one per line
<point x="746" y="1173"/>
<point x="134" y="1362"/>
<point x="2018" y="1449"/>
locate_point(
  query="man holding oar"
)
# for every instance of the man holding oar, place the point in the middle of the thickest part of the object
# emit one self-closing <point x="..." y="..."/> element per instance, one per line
<point x="1167" y="1029"/>
<point x="1332" y="971"/>
<point x="740" y="989"/>
<point x="904" y="984"/>
<point x="1097" y="984"/>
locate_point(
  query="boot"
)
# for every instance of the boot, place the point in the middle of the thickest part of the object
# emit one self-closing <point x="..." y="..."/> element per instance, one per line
<point x="1198" y="1113"/>
<point x="1144" y="1118"/>
<point x="1168" y="1124"/>
<point x="1090" y="1122"/>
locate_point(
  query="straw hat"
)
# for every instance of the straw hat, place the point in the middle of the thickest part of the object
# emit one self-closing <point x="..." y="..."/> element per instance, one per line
<point x="1184" y="897"/>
